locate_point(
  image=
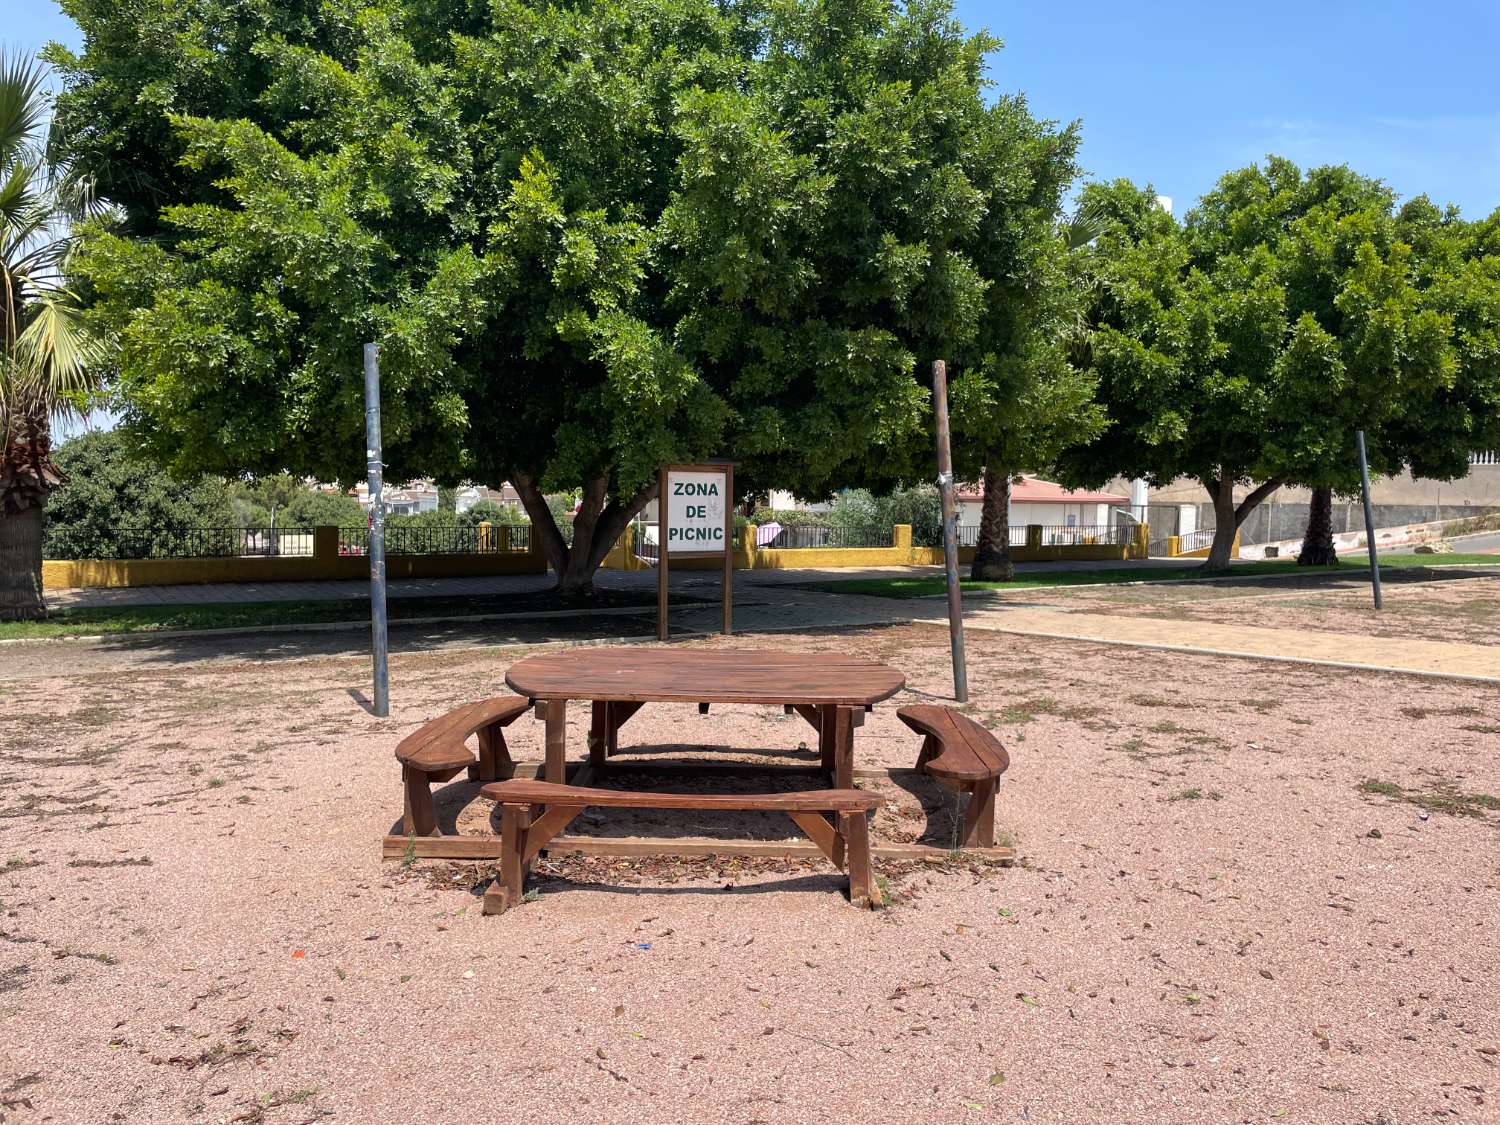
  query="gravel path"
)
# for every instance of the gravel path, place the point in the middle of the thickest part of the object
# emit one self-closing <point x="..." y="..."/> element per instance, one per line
<point x="1212" y="921"/>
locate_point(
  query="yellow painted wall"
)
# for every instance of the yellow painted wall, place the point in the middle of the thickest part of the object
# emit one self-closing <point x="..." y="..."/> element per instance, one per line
<point x="323" y="564"/>
<point x="1174" y="549"/>
<point x="326" y="563"/>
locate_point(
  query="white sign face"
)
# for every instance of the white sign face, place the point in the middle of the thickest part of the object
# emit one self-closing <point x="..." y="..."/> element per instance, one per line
<point x="695" y="512"/>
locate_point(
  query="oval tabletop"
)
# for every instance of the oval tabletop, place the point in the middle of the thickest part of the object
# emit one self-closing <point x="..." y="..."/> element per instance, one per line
<point x="662" y="675"/>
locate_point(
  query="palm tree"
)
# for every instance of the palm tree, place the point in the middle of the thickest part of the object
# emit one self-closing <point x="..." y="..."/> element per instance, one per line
<point x="48" y="358"/>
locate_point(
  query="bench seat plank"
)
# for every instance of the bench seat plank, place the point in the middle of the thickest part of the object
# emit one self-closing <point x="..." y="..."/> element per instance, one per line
<point x="966" y="751"/>
<point x="440" y="744"/>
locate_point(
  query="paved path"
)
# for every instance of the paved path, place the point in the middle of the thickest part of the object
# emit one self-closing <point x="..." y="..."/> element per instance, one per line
<point x="1394" y="654"/>
<point x="233" y="592"/>
<point x="766" y="603"/>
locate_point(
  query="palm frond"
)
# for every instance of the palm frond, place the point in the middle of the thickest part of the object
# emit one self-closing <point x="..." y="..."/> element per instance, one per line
<point x="23" y="103"/>
<point x="55" y="364"/>
<point x="1083" y="226"/>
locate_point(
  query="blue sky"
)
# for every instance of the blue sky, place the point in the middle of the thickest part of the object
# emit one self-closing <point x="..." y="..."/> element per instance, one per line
<point x="1178" y="92"/>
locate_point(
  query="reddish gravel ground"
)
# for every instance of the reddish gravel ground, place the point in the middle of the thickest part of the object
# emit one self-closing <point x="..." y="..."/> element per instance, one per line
<point x="1211" y="921"/>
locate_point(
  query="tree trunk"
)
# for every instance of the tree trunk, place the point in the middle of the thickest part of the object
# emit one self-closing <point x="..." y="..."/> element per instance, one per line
<point x="992" y="561"/>
<point x="1317" y="540"/>
<point x="1228" y="517"/>
<point x="26" y="476"/>
<point x="1225" y="528"/>
<point x="596" y="526"/>
<point x="21" y="565"/>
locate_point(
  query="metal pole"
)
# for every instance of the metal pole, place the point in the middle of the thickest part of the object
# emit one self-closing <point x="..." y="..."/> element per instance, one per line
<point x="375" y="469"/>
<point x="950" y="530"/>
<point x="728" y="549"/>
<point x="1364" y="484"/>
<point x="661" y="554"/>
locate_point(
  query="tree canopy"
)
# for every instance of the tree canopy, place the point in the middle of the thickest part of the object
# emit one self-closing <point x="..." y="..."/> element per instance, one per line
<point x="590" y="238"/>
<point x="108" y="487"/>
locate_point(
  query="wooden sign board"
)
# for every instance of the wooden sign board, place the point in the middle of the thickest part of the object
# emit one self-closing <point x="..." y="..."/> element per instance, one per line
<point x="694" y="520"/>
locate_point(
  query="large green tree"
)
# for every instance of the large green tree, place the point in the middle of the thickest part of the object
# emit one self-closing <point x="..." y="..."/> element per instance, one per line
<point x="49" y="361"/>
<point x="589" y="237"/>
<point x="1247" y="344"/>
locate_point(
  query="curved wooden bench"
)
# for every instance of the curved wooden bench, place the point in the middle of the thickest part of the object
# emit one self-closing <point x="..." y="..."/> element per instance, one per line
<point x="962" y="755"/>
<point x="846" y="843"/>
<point x="435" y="752"/>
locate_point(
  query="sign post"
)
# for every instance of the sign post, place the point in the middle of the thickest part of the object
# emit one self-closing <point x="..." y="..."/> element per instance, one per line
<point x="694" y="520"/>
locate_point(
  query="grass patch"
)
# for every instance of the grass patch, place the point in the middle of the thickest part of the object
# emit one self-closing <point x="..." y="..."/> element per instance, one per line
<point x="104" y="621"/>
<point x="1439" y="798"/>
<point x="1195" y="794"/>
<point x="930" y="585"/>
<point x="1425" y="712"/>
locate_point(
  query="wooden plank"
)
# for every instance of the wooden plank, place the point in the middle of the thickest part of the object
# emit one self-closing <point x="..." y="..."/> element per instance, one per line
<point x="488" y="847"/>
<point x="533" y="769"/>
<point x="625" y="673"/>
<point x="693" y="768"/>
<point x="804" y="800"/>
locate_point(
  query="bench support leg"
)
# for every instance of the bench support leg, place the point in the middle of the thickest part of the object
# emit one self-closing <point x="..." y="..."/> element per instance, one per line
<point x="829" y="840"/>
<point x="508" y="890"/>
<point x="979" y="816"/>
<point x="856" y="833"/>
<point x="619" y="715"/>
<point x="420" y="818"/>
<point x="494" y="756"/>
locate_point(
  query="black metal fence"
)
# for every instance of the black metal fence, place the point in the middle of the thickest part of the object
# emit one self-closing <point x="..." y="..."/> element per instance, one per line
<point x="1196" y="540"/>
<point x="808" y="536"/>
<point x="968" y="535"/>
<point x="200" y="543"/>
<point x="497" y="539"/>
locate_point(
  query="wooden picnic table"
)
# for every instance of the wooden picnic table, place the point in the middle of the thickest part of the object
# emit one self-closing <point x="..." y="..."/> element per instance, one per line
<point x="831" y="691"/>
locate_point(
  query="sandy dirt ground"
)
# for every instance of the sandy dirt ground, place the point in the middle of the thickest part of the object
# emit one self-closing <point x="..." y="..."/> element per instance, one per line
<point x="1247" y="892"/>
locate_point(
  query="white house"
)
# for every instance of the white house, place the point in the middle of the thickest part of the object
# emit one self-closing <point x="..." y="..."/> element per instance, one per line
<point x="1033" y="500"/>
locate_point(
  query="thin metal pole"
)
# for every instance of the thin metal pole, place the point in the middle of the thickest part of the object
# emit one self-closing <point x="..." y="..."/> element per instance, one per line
<point x="728" y="549"/>
<point x="661" y="554"/>
<point x="375" y="468"/>
<point x="950" y="530"/>
<point x="1364" y="484"/>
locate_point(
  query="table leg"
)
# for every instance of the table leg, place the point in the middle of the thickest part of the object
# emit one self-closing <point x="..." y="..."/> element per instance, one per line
<point x="556" y="717"/>
<point x="599" y="732"/>
<point x="843" y="747"/>
<point x="825" y="738"/>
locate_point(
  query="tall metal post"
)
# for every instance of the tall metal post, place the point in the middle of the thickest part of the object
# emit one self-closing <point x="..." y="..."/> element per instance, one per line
<point x="950" y="530"/>
<point x="1364" y="484"/>
<point x="375" y="468"/>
